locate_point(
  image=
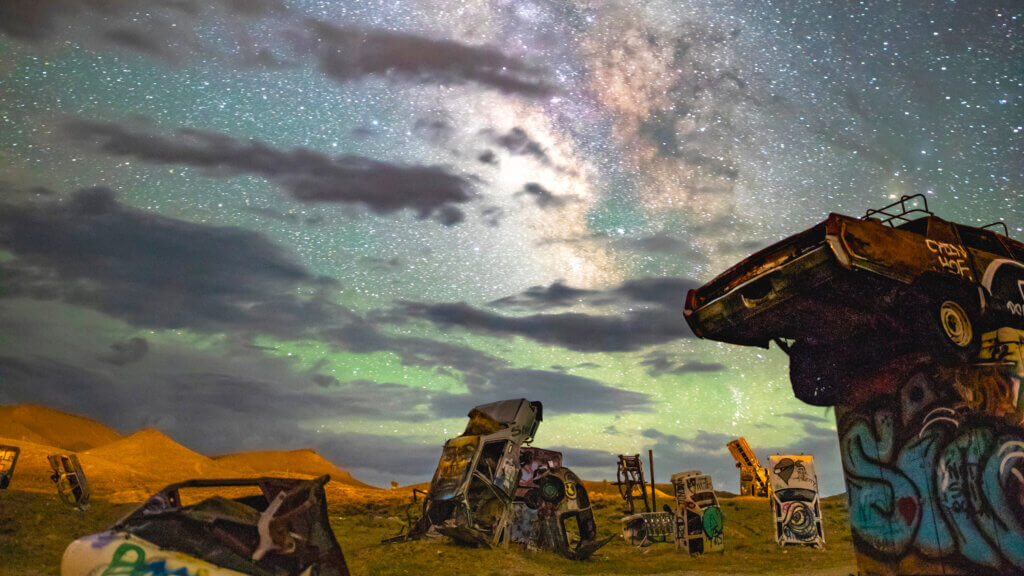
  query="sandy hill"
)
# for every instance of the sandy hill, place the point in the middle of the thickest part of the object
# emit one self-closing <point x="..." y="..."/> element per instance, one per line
<point x="271" y="462"/>
<point x="152" y="451"/>
<point x="49" y="427"/>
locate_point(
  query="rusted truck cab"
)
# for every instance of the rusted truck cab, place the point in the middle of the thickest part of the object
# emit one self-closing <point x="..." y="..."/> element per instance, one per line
<point x="899" y="276"/>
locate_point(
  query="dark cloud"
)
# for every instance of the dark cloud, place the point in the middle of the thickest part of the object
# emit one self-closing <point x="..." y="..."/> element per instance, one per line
<point x="363" y="337"/>
<point x="308" y="176"/>
<point x="488" y="157"/>
<point x="155" y="271"/>
<point x="561" y="394"/>
<point x="576" y="331"/>
<point x="664" y="292"/>
<point x="659" y="363"/>
<point x="216" y="404"/>
<point x="649" y="315"/>
<point x="806" y="417"/>
<point x="585" y="457"/>
<point x="518" y="143"/>
<point x="348" y="53"/>
<point x="161" y="29"/>
<point x="556" y="295"/>
<point x="543" y="197"/>
<point x="435" y="130"/>
<point x="706" y="451"/>
<point x="158" y="272"/>
<point x="121" y="353"/>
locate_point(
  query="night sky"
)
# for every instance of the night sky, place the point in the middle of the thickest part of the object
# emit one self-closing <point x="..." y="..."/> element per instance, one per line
<point x="340" y="225"/>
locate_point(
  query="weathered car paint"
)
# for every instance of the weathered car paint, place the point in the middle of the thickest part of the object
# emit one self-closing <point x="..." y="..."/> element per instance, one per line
<point x="282" y="531"/>
<point x="795" y="504"/>
<point x="113" y="553"/>
<point x="8" y="460"/>
<point x="699" y="521"/>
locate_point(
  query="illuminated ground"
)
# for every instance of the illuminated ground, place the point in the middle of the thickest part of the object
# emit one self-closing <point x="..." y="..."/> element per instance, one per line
<point x="35" y="528"/>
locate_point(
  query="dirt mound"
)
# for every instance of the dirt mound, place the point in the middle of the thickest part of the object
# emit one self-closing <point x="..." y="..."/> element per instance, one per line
<point x="49" y="427"/>
<point x="154" y="453"/>
<point x="306" y="462"/>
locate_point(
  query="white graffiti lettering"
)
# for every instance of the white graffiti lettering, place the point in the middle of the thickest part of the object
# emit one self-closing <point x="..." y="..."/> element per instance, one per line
<point x="952" y="258"/>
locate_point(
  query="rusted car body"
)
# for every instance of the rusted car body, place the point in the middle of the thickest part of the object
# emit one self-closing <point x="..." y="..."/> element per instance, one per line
<point x="490" y="490"/>
<point x="699" y="524"/>
<point x="794" y="501"/>
<point x="72" y="487"/>
<point x="281" y="531"/>
<point x="753" y="477"/>
<point x="899" y="276"/>
<point x="8" y="460"/>
<point x="554" y="513"/>
<point x="477" y="477"/>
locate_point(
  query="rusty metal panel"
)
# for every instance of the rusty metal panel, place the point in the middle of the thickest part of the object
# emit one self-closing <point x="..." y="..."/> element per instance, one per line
<point x="72" y="486"/>
<point x="283" y="530"/>
<point x="647" y="528"/>
<point x="900" y="254"/>
<point x="629" y="478"/>
<point x="8" y="460"/>
<point x="753" y="478"/>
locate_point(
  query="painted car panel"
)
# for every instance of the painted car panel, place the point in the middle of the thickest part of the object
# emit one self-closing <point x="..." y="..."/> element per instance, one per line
<point x="699" y="521"/>
<point x="113" y="553"/>
<point x="8" y="461"/>
<point x="281" y="530"/>
<point x="794" y="501"/>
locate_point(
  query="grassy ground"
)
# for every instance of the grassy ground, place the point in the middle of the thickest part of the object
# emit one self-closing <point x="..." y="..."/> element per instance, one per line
<point x="35" y="528"/>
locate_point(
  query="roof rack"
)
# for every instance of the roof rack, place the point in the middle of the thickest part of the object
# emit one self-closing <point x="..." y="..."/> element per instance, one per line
<point x="1006" y="231"/>
<point x="898" y="210"/>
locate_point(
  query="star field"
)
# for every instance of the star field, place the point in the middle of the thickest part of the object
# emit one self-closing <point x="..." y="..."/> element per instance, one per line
<point x="367" y="217"/>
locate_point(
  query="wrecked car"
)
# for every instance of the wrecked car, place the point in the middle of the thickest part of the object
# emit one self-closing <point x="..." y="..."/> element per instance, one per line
<point x="281" y="531"/>
<point x="72" y="487"/>
<point x="898" y="276"/>
<point x="476" y="479"/>
<point x="753" y="477"/>
<point x="699" y="523"/>
<point x="8" y="459"/>
<point x="552" y="509"/>
<point x="794" y="501"/>
<point x="489" y="490"/>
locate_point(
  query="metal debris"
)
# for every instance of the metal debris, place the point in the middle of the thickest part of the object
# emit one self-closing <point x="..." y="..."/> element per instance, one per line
<point x="282" y="531"/>
<point x="629" y="477"/>
<point x="753" y="477"/>
<point x="72" y="487"/>
<point x="489" y="490"/>
<point x="8" y="459"/>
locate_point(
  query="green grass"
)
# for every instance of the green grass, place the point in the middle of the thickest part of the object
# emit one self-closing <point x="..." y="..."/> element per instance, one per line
<point x="35" y="528"/>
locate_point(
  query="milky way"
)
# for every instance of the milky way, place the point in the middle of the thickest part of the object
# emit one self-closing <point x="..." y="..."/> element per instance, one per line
<point x="264" y="224"/>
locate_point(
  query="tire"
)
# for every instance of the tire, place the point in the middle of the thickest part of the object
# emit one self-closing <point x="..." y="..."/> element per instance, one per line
<point x="948" y="321"/>
<point x="814" y="373"/>
<point x="552" y="489"/>
<point x="958" y="330"/>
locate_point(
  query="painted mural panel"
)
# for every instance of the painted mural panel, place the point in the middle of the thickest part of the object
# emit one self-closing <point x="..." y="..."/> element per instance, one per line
<point x="794" y="501"/>
<point x="934" y="465"/>
<point x="699" y="521"/>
